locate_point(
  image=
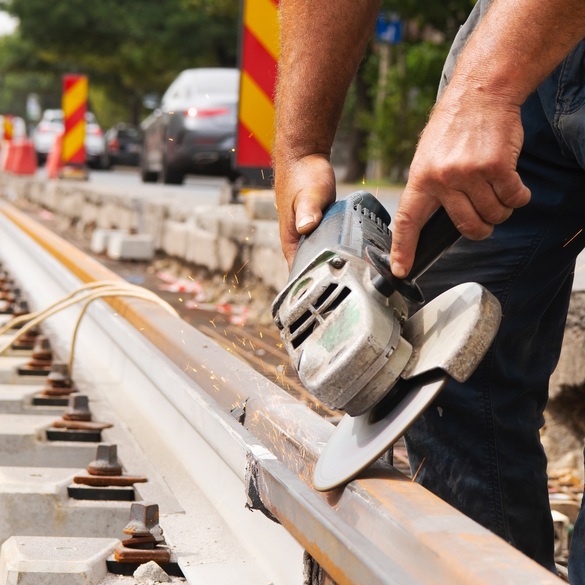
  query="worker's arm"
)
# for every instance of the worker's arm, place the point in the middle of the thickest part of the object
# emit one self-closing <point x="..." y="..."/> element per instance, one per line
<point x="322" y="44"/>
<point x="467" y="155"/>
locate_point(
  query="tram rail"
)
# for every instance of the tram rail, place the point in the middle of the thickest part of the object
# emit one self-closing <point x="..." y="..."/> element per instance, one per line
<point x="244" y="442"/>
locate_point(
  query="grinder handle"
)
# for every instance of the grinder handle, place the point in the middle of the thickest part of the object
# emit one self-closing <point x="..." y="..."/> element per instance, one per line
<point x="436" y="237"/>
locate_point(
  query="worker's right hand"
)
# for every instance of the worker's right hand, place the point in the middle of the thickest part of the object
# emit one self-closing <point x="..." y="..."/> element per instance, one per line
<point x="304" y="188"/>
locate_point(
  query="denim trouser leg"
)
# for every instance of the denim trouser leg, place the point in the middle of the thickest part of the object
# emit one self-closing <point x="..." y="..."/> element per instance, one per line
<point x="478" y="445"/>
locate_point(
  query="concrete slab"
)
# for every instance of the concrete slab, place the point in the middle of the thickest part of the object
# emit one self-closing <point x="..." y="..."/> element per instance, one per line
<point x="17" y="399"/>
<point x="8" y="368"/>
<point x="34" y="502"/>
<point x="8" y="339"/>
<point x="54" y="561"/>
<point x="22" y="443"/>
<point x="100" y="238"/>
<point x="123" y="246"/>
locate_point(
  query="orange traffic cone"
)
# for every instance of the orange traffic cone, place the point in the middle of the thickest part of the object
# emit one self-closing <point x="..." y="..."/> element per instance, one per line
<point x="54" y="160"/>
<point x="25" y="158"/>
<point x="10" y="155"/>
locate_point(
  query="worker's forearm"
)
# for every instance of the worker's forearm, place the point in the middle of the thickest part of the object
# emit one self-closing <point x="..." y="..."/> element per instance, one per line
<point x="322" y="44"/>
<point x="516" y="45"/>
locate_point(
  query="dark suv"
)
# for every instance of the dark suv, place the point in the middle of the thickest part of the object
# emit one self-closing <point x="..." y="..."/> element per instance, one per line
<point x="194" y="129"/>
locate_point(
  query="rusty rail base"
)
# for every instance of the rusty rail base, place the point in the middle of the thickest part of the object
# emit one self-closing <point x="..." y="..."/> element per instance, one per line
<point x="381" y="528"/>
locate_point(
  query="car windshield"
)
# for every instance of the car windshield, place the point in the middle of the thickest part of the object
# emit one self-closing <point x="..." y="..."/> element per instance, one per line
<point x="217" y="85"/>
<point x="57" y="117"/>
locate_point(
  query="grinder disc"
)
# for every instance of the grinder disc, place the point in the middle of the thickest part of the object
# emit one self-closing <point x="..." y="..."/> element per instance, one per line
<point x="358" y="441"/>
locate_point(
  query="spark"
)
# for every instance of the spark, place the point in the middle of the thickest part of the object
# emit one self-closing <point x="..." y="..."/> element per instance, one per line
<point x="363" y="179"/>
<point x="242" y="266"/>
<point x="213" y="323"/>
<point x="567" y="243"/>
<point x="191" y="278"/>
<point x="261" y="334"/>
<point x="249" y="294"/>
<point x="251" y="134"/>
<point x="236" y="278"/>
<point x="419" y="468"/>
<point x="180" y="300"/>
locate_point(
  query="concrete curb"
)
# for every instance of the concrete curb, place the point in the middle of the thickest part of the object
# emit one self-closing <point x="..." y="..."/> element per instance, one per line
<point x="221" y="238"/>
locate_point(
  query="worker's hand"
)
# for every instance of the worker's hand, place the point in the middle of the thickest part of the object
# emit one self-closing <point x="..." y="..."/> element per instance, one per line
<point x="465" y="161"/>
<point x="304" y="188"/>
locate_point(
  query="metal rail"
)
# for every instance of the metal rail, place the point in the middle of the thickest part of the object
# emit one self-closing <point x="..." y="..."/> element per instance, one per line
<point x="380" y="529"/>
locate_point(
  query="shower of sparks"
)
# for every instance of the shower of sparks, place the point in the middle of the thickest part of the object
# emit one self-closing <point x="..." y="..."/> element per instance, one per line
<point x="567" y="243"/>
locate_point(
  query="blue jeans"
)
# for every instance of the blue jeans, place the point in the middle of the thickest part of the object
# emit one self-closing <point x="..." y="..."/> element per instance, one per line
<point x="478" y="445"/>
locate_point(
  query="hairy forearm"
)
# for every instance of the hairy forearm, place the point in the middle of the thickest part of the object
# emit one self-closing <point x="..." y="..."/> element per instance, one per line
<point x="516" y="45"/>
<point x="322" y="44"/>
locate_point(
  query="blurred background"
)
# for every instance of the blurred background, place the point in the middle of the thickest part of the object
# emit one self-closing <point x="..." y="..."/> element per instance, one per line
<point x="132" y="50"/>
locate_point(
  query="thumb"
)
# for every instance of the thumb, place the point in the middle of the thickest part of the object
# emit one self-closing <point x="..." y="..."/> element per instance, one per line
<point x="411" y="215"/>
<point x="309" y="210"/>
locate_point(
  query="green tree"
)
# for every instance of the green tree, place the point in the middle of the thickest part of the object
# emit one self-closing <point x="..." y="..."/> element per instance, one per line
<point x="401" y="82"/>
<point x="128" y="49"/>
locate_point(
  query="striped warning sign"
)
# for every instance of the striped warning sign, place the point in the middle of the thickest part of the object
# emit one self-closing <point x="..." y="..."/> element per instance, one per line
<point x="74" y="109"/>
<point x="258" y="64"/>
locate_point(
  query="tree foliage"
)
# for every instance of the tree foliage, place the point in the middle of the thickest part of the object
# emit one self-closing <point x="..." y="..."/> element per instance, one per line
<point x="403" y="80"/>
<point x="128" y="49"/>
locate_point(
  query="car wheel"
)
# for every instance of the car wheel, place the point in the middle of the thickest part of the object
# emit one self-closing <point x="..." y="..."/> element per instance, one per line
<point x="146" y="175"/>
<point x="172" y="176"/>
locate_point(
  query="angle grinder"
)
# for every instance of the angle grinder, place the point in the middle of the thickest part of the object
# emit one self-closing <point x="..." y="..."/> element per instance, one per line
<point x="344" y="321"/>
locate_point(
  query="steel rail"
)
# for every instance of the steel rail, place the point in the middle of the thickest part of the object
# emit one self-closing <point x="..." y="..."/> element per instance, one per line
<point x="381" y="528"/>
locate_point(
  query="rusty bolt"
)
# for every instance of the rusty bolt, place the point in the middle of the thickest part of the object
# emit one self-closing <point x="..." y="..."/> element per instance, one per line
<point x="106" y="462"/>
<point x="42" y="348"/>
<point x="78" y="408"/>
<point x="20" y="307"/>
<point x="59" y="375"/>
<point x="143" y="519"/>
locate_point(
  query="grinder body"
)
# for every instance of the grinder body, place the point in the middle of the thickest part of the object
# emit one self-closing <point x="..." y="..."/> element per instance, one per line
<point x="342" y="334"/>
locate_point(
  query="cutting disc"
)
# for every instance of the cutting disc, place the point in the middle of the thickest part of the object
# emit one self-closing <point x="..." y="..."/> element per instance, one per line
<point x="358" y="441"/>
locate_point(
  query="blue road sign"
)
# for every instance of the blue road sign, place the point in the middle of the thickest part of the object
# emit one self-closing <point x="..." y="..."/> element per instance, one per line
<point x="388" y="29"/>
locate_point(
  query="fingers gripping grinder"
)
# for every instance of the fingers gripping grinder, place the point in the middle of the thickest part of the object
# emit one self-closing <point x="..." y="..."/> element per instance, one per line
<point x="345" y="323"/>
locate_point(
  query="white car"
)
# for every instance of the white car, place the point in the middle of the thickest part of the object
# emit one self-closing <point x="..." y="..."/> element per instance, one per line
<point x="51" y="125"/>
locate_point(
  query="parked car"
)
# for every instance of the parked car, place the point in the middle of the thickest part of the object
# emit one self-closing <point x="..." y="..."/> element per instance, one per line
<point x="51" y="125"/>
<point x="194" y="129"/>
<point x="123" y="143"/>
